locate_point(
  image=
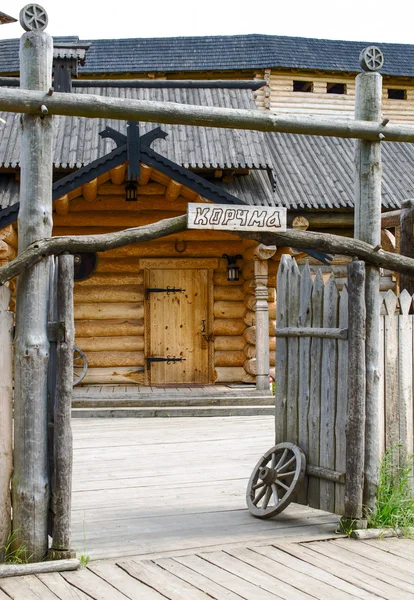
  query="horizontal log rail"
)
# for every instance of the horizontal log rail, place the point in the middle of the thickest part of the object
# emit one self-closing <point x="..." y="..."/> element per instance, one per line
<point x="93" y="106"/>
<point x="292" y="238"/>
<point x="327" y="474"/>
<point x="318" y="332"/>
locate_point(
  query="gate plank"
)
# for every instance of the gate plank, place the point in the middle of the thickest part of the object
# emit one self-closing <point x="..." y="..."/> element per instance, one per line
<point x="341" y="404"/>
<point x="315" y="390"/>
<point x="293" y="355"/>
<point x="405" y="377"/>
<point x="392" y="427"/>
<point x="281" y="349"/>
<point x="305" y="320"/>
<point x="328" y="395"/>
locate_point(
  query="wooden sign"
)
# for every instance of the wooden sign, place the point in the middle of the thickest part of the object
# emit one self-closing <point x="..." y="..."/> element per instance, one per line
<point x="236" y="217"/>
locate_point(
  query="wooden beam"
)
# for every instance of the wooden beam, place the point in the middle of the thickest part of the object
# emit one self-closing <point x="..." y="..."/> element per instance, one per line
<point x="356" y="416"/>
<point x="368" y="95"/>
<point x="118" y="174"/>
<point x="62" y="431"/>
<point x="90" y="190"/>
<point x="391" y="218"/>
<point x="173" y="190"/>
<point x="31" y="486"/>
<point x="92" y="106"/>
<point x="145" y="175"/>
<point x="62" y="205"/>
<point x="302" y="239"/>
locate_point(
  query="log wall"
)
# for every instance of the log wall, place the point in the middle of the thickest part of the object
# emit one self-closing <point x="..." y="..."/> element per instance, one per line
<point x="279" y="97"/>
<point x="109" y="305"/>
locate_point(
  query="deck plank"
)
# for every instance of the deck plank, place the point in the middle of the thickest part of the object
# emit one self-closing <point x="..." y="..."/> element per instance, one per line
<point x="92" y="585"/>
<point x="119" y="579"/>
<point x="197" y="579"/>
<point x="167" y="584"/>
<point x="61" y="588"/>
<point x="26" y="588"/>
<point x="382" y="574"/>
<point x="228" y="580"/>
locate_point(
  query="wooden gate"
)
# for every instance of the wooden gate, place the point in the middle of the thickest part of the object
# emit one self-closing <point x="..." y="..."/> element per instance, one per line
<point x="178" y="322"/>
<point x="312" y="379"/>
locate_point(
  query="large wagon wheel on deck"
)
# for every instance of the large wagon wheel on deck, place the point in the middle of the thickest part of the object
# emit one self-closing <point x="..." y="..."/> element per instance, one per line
<point x="80" y="365"/>
<point x="275" y="480"/>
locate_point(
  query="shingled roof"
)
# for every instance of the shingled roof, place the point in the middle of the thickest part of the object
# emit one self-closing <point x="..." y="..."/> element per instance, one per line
<point x="217" y="53"/>
<point x="314" y="172"/>
<point x="77" y="140"/>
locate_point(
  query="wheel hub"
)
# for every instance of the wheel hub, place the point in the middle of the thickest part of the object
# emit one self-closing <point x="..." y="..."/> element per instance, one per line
<point x="268" y="475"/>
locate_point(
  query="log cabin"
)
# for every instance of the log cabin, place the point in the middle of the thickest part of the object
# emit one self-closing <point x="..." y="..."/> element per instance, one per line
<point x="210" y="320"/>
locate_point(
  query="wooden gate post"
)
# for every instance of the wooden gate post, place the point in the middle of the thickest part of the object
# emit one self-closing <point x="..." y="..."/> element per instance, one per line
<point x="355" y="423"/>
<point x="261" y="256"/>
<point x="407" y="242"/>
<point x="30" y="484"/>
<point x="368" y="96"/>
<point x="6" y="416"/>
<point x="62" y="433"/>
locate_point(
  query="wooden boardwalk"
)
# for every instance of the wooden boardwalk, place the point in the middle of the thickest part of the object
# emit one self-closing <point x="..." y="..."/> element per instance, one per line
<point x="159" y="507"/>
<point x="327" y="570"/>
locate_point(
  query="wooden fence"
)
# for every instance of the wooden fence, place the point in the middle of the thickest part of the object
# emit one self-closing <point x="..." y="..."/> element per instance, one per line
<point x="312" y="377"/>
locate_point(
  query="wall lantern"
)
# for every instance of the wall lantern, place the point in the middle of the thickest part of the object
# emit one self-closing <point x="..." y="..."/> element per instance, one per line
<point x="233" y="270"/>
<point x="131" y="191"/>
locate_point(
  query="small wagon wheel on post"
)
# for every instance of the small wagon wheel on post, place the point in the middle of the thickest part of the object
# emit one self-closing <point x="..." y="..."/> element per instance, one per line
<point x="275" y="480"/>
<point x="80" y="365"/>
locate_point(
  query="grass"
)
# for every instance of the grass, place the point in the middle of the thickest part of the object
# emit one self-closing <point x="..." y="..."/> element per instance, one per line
<point x="12" y="555"/>
<point x="394" y="505"/>
<point x="84" y="557"/>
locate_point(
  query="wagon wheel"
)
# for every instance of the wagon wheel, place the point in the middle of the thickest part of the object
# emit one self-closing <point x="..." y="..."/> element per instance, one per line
<point x="80" y="365"/>
<point x="275" y="480"/>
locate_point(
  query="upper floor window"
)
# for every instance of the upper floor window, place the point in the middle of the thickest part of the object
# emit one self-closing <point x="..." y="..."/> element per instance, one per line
<point x="335" y="88"/>
<point x="397" y="94"/>
<point x="302" y="86"/>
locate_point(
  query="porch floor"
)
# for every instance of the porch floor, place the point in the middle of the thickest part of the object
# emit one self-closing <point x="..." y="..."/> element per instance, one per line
<point x="163" y="485"/>
<point x="171" y="401"/>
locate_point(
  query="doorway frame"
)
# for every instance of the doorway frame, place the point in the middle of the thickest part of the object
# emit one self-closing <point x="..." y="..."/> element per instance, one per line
<point x="209" y="264"/>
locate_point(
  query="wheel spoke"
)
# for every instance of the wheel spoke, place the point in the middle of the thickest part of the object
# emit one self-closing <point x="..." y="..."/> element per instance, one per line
<point x="282" y="459"/>
<point x="267" y="497"/>
<point x="282" y="485"/>
<point x="273" y="462"/>
<point x="259" y="496"/>
<point x="288" y="474"/>
<point x="275" y="494"/>
<point x="287" y="464"/>
<point x="258" y="485"/>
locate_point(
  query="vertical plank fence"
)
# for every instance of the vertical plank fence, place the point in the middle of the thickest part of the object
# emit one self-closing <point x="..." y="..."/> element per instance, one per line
<point x="312" y="375"/>
<point x="6" y="415"/>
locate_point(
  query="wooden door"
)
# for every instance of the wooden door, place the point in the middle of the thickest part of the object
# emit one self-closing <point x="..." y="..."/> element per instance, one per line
<point x="176" y="324"/>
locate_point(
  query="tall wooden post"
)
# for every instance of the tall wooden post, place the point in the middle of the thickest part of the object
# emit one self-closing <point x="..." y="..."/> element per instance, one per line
<point x="261" y="256"/>
<point x="6" y="416"/>
<point x="368" y="229"/>
<point x="30" y="486"/>
<point x="62" y="437"/>
<point x="407" y="241"/>
<point x="355" y="424"/>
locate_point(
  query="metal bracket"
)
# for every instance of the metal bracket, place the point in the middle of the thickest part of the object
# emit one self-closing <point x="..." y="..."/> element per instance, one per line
<point x="56" y="331"/>
<point x="168" y="290"/>
<point x="167" y="359"/>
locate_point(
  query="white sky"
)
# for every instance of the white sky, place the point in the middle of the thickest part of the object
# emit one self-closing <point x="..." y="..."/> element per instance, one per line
<point x="361" y="20"/>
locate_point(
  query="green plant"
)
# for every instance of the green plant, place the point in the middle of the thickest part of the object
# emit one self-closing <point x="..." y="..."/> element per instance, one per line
<point x="394" y="506"/>
<point x="13" y="555"/>
<point x="84" y="557"/>
<point x="346" y="526"/>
